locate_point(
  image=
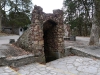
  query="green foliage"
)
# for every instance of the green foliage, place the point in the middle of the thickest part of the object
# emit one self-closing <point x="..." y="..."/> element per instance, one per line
<point x="78" y="15"/>
<point x="18" y="19"/>
<point x="17" y="13"/>
<point x="4" y="18"/>
<point x="72" y="7"/>
<point x="76" y="22"/>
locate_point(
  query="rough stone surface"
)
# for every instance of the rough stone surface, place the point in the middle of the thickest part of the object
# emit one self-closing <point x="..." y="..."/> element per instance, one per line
<point x="12" y="41"/>
<point x="45" y="35"/>
<point x="7" y="71"/>
<point x="72" y="65"/>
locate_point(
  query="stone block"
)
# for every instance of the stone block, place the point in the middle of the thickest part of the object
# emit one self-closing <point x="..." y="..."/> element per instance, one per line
<point x="41" y="42"/>
<point x="36" y="21"/>
<point x="38" y="47"/>
<point x="35" y="42"/>
<point x="36" y="27"/>
<point x="40" y="31"/>
<point x="12" y="41"/>
<point x="36" y="37"/>
<point x="60" y="39"/>
<point x="60" y="30"/>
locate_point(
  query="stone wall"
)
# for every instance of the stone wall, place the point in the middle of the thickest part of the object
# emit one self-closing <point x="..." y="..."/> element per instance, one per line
<point x="45" y="35"/>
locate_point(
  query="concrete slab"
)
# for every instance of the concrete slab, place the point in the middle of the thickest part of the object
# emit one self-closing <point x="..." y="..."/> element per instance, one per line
<point x="5" y="39"/>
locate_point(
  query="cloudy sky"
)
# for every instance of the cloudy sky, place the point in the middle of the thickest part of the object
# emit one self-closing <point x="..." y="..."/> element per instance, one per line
<point x="48" y="5"/>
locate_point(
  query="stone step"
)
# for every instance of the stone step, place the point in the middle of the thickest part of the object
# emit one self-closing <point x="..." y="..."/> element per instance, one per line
<point x="40" y="69"/>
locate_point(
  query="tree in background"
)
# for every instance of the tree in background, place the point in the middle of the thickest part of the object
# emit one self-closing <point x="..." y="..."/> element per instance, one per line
<point x="3" y="4"/>
<point x="21" y="6"/>
<point x="19" y="14"/>
<point x="18" y="19"/>
<point x="82" y="14"/>
<point x="14" y="12"/>
<point x="78" y="14"/>
<point x="95" y="31"/>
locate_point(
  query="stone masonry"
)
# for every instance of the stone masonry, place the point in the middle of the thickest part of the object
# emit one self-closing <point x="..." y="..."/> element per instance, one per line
<point x="44" y="37"/>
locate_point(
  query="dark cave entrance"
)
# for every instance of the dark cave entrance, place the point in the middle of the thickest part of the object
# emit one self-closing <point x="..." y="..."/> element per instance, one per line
<point x="49" y="29"/>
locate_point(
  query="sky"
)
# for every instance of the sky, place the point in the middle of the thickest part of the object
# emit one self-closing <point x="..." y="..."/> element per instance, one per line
<point x="48" y="5"/>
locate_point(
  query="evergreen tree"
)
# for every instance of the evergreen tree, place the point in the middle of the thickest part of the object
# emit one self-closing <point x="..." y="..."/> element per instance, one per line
<point x="20" y="9"/>
<point x="19" y="14"/>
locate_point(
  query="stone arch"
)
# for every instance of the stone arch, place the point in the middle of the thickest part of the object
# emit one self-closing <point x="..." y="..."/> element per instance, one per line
<point x="34" y="39"/>
<point x="49" y="37"/>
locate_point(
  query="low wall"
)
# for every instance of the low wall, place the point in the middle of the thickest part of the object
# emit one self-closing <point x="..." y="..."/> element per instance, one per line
<point x="21" y="60"/>
<point x="75" y="51"/>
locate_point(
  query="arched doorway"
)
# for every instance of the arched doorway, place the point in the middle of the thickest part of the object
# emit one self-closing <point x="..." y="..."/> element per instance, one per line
<point x="49" y="30"/>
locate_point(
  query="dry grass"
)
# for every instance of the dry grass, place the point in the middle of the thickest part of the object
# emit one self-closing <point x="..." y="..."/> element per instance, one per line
<point x="4" y="34"/>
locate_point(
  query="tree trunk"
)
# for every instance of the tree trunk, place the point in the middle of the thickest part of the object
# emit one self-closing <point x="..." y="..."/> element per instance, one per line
<point x="94" y="37"/>
<point x="0" y="16"/>
<point x="0" y="21"/>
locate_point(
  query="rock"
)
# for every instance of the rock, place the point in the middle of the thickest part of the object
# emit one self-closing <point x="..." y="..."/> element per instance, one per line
<point x="12" y="41"/>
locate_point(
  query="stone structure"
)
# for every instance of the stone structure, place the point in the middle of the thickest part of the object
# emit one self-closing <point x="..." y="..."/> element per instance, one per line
<point x="44" y="38"/>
